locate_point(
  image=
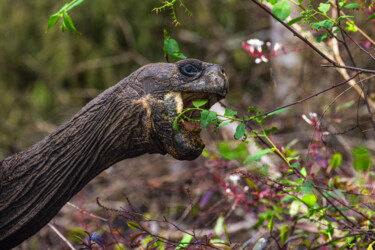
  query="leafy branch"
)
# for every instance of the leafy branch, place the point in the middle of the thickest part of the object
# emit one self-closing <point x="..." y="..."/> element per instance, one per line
<point x="171" y="6"/>
<point x="63" y="13"/>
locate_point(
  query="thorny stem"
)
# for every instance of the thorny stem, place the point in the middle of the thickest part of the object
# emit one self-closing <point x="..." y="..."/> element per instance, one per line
<point x="311" y="96"/>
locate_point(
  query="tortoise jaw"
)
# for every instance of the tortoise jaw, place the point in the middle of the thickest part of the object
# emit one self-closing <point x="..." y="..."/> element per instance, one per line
<point x="186" y="143"/>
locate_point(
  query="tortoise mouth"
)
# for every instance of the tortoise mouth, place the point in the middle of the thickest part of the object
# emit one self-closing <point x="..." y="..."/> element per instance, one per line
<point x="186" y="143"/>
<point x="191" y="119"/>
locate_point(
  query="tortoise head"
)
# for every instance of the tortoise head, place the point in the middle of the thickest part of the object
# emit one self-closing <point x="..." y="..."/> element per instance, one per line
<point x="173" y="87"/>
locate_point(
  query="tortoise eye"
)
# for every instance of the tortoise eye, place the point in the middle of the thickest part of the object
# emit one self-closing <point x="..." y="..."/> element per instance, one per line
<point x="189" y="70"/>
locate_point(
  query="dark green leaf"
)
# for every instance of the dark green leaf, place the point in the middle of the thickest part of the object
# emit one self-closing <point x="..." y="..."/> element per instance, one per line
<point x="53" y="20"/>
<point x="281" y="10"/>
<point x="372" y="17"/>
<point x="240" y="131"/>
<point x="208" y="117"/>
<point x="268" y="131"/>
<point x="229" y="112"/>
<point x="199" y="102"/>
<point x="322" y="37"/>
<point x="67" y="21"/>
<point x="295" y="20"/>
<point x="258" y="155"/>
<point x="175" y="124"/>
<point x="324" y="7"/>
<point x="362" y="158"/>
<point x="295" y="165"/>
<point x="352" y="6"/>
<point x="336" y="161"/>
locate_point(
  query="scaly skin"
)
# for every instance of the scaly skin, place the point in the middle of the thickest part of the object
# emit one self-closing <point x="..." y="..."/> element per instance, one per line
<point x="132" y="118"/>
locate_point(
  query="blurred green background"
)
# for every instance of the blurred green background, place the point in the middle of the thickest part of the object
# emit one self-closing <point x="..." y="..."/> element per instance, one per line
<point x="47" y="77"/>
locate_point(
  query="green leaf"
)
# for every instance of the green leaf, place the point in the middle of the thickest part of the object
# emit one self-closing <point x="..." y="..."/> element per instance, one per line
<point x="281" y="10"/>
<point x="240" y="131"/>
<point x="322" y="37"/>
<point x="350" y="26"/>
<point x="343" y="17"/>
<point x="258" y="155"/>
<point x="352" y="6"/>
<point x="295" y="20"/>
<point x="324" y="7"/>
<point x="309" y="199"/>
<point x="229" y="112"/>
<point x="223" y="123"/>
<point x="219" y="226"/>
<point x="199" y="102"/>
<point x="208" y="117"/>
<point x="336" y="161"/>
<point x="67" y="21"/>
<point x="284" y="234"/>
<point x="63" y="27"/>
<point x="272" y="1"/>
<point x="372" y="17"/>
<point x="303" y="172"/>
<point x="306" y="187"/>
<point x="133" y="225"/>
<point x="278" y="111"/>
<point x="53" y="20"/>
<point x="329" y="23"/>
<point x="270" y="224"/>
<point x="172" y="49"/>
<point x="370" y="246"/>
<point x="230" y="153"/>
<point x="268" y="131"/>
<point x="185" y="241"/>
<point x="75" y="4"/>
<point x="295" y="165"/>
<point x="362" y="158"/>
<point x="289" y="198"/>
<point x="175" y="124"/>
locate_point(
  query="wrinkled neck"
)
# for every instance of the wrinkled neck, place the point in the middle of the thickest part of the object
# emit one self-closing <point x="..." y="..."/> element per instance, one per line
<point x="37" y="182"/>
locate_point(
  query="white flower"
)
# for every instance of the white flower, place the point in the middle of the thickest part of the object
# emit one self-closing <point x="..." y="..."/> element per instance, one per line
<point x="234" y="178"/>
<point x="255" y="44"/>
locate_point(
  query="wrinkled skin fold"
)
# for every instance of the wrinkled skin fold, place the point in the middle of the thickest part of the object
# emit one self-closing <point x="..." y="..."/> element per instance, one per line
<point x="132" y="118"/>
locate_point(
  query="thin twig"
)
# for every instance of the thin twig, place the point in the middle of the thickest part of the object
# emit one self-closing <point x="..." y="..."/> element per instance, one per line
<point x="61" y="236"/>
<point x="311" y="96"/>
<point x="370" y="71"/>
